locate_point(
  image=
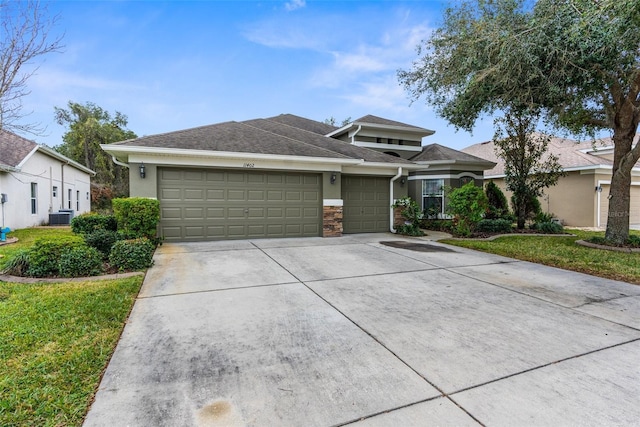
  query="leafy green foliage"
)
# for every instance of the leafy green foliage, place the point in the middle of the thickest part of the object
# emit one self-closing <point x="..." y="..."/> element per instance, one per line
<point x="102" y="240"/>
<point x="80" y="261"/>
<point x="494" y="226"/>
<point x="137" y="216"/>
<point x="468" y="205"/>
<point x="130" y="255"/>
<point x="410" y="211"/>
<point x="498" y="207"/>
<point x="529" y="168"/>
<point x="19" y="264"/>
<point x="445" y="225"/>
<point x="548" y="227"/>
<point x="90" y="222"/>
<point x="88" y="127"/>
<point x="55" y="341"/>
<point x="45" y="254"/>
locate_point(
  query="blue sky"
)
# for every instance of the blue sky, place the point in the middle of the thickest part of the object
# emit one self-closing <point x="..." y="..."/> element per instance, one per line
<point x="181" y="64"/>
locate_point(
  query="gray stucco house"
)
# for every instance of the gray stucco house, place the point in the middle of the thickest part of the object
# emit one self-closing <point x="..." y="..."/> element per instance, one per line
<point x="288" y="176"/>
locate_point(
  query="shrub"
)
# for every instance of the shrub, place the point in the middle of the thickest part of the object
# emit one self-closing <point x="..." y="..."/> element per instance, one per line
<point x="88" y="223"/>
<point x="548" y="227"/>
<point x="45" y="254"/>
<point x="498" y="207"/>
<point x="102" y="240"/>
<point x="137" y="217"/>
<point x="134" y="254"/>
<point x="467" y="204"/>
<point x="19" y="264"/>
<point x="80" y="261"/>
<point x="494" y="226"/>
<point x="410" y="211"/>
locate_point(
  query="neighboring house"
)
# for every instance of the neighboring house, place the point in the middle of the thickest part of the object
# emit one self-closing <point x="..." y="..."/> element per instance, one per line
<point x="579" y="199"/>
<point x="36" y="181"/>
<point x="285" y="176"/>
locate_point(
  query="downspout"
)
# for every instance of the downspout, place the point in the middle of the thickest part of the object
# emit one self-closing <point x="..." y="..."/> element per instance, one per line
<point x="62" y="185"/>
<point x="391" y="199"/>
<point x="119" y="163"/>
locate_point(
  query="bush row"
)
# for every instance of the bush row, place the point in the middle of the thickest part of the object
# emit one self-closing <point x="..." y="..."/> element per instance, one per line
<point x="72" y="257"/>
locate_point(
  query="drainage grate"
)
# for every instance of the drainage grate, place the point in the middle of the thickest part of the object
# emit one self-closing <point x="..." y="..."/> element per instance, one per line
<point x="418" y="247"/>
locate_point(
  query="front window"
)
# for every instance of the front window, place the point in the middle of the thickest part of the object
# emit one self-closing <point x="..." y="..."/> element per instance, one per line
<point x="69" y="201"/>
<point x="77" y="201"/>
<point x="433" y="197"/>
<point x="34" y="198"/>
<point x="55" y="191"/>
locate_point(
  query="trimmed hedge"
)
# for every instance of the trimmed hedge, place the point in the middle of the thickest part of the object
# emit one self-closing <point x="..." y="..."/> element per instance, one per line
<point x="44" y="255"/>
<point x="88" y="223"/>
<point x="81" y="261"/>
<point x="137" y="217"/>
<point x="134" y="254"/>
<point x="548" y="227"/>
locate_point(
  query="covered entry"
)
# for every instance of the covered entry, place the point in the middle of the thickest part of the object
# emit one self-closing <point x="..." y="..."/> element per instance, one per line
<point x="210" y="204"/>
<point x="366" y="204"/>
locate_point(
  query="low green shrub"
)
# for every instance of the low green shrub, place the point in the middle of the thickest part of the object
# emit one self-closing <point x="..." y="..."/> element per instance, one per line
<point x="494" y="226"/>
<point x="88" y="223"/>
<point x="44" y="255"/>
<point x="102" y="240"/>
<point x="633" y="241"/>
<point x="467" y="204"/>
<point x="135" y="254"/>
<point x="19" y="264"/>
<point x="81" y="261"/>
<point x="548" y="227"/>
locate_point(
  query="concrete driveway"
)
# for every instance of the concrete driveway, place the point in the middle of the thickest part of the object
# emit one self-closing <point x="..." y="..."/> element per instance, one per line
<point x="370" y="330"/>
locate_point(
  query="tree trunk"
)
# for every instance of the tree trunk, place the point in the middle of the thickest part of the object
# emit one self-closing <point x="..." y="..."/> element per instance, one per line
<point x="620" y="192"/>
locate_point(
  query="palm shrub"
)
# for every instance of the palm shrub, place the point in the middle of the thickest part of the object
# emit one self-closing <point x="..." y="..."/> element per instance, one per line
<point x="468" y="205"/>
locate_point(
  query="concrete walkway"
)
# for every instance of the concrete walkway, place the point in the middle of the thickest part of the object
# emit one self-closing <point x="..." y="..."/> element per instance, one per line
<point x="362" y="332"/>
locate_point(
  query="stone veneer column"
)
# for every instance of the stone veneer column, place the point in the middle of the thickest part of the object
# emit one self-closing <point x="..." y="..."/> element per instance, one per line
<point x="331" y="221"/>
<point x="398" y="219"/>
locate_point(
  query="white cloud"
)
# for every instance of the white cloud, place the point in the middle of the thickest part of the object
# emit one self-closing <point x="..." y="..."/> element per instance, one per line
<point x="294" y="4"/>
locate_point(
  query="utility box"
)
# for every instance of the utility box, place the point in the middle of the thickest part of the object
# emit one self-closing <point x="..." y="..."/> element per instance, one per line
<point x="60" y="218"/>
<point x="70" y="212"/>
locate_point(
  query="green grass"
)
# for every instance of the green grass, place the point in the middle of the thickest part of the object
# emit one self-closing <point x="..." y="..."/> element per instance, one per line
<point x="564" y="253"/>
<point x="55" y="340"/>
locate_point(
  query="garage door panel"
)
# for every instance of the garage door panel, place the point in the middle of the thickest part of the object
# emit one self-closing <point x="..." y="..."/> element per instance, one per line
<point x="366" y="204"/>
<point x="218" y="204"/>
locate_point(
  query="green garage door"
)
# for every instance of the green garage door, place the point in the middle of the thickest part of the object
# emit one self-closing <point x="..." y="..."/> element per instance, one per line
<point x="366" y="204"/>
<point x="213" y="204"/>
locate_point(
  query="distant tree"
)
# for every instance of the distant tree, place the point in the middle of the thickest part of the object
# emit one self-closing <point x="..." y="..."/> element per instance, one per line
<point x="25" y="35"/>
<point x="88" y="127"/>
<point x="574" y="61"/>
<point x="529" y="168"/>
<point x="333" y="122"/>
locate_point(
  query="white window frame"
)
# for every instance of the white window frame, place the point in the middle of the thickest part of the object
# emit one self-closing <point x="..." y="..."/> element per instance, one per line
<point x="34" y="198"/>
<point x="428" y="187"/>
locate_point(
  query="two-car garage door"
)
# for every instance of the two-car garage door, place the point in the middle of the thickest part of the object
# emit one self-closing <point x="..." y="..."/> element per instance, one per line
<point x="212" y="204"/>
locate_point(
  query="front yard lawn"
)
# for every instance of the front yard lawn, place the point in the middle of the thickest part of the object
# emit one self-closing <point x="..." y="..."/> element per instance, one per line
<point x="563" y="252"/>
<point x="55" y="341"/>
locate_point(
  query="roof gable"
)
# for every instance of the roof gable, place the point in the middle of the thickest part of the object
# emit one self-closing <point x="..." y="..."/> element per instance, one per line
<point x="440" y="153"/>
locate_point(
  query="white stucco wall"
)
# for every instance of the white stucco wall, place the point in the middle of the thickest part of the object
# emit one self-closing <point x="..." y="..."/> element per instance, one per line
<point x="47" y="172"/>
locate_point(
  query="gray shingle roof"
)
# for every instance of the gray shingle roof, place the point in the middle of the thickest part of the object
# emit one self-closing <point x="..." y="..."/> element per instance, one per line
<point x="437" y="152"/>
<point x="231" y="137"/>
<point x="380" y="121"/>
<point x="334" y="145"/>
<point x="303" y="123"/>
<point x="14" y="148"/>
